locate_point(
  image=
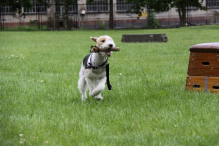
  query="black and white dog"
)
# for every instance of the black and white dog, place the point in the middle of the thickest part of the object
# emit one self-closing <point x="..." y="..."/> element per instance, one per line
<point x="93" y="69"/>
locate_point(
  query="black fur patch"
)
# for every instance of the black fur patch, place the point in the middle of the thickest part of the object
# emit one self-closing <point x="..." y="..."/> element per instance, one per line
<point x="85" y="61"/>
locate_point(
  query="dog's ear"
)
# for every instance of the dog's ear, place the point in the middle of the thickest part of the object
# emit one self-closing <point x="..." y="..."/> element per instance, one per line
<point x="93" y="38"/>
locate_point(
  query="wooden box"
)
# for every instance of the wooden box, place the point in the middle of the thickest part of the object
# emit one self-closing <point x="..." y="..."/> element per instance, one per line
<point x="202" y="83"/>
<point x="204" y="60"/>
<point x="203" y="68"/>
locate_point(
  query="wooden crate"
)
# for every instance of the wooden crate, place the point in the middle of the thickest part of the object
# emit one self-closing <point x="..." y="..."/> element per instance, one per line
<point x="144" y="38"/>
<point x="203" y="68"/>
<point x="204" y="60"/>
<point x="203" y="64"/>
<point x="202" y="83"/>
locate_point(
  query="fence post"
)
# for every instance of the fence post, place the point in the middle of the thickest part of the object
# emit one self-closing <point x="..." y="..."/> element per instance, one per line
<point x="3" y="22"/>
<point x="114" y="5"/>
<point x="38" y="14"/>
<point x="78" y="14"/>
<point x="41" y="27"/>
<point x="149" y="16"/>
<point x="187" y="6"/>
<point x="20" y="21"/>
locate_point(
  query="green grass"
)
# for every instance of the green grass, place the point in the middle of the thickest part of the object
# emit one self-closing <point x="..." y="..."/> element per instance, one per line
<point x="147" y="106"/>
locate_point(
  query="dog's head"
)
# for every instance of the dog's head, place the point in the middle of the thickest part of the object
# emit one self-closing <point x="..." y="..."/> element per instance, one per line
<point x="106" y="42"/>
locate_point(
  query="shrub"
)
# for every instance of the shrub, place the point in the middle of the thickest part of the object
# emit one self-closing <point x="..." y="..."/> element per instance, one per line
<point x="152" y="22"/>
<point x="32" y="23"/>
<point x="101" y="25"/>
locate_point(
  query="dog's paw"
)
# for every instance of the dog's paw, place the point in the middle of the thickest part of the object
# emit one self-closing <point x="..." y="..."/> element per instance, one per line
<point x="99" y="98"/>
<point x="90" y="93"/>
<point x="95" y="93"/>
<point x="83" y="98"/>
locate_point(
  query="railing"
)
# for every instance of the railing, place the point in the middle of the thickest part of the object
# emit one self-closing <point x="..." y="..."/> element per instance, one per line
<point x="5" y="9"/>
<point x="97" y="6"/>
<point x="123" y="7"/>
<point x="36" y="9"/>
<point x="212" y="3"/>
<point x="73" y="8"/>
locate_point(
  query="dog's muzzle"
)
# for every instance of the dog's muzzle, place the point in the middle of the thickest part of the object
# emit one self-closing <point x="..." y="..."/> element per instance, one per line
<point x="109" y="53"/>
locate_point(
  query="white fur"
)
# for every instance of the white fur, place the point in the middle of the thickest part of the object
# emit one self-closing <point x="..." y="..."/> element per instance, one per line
<point x="95" y="79"/>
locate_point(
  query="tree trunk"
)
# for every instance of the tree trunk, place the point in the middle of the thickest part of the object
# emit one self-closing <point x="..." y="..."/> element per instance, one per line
<point x="65" y="16"/>
<point x="111" y="23"/>
<point x="180" y="15"/>
<point x="183" y="12"/>
<point x="181" y="5"/>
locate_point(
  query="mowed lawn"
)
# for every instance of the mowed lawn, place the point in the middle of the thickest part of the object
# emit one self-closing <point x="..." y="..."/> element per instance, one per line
<point x="40" y="103"/>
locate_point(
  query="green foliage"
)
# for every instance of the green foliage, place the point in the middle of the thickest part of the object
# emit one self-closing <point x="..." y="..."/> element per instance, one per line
<point x="41" y="105"/>
<point x="66" y="3"/>
<point x="100" y="2"/>
<point x="32" y="23"/>
<point x="164" y="5"/>
<point x="16" y="6"/>
<point x="45" y="27"/>
<point x="101" y="25"/>
<point x="152" y="22"/>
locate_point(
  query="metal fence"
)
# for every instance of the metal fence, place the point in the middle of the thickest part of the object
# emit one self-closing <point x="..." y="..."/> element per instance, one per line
<point x="96" y="16"/>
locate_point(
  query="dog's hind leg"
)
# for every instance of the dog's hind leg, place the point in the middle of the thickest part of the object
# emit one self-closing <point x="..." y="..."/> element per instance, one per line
<point x="82" y="86"/>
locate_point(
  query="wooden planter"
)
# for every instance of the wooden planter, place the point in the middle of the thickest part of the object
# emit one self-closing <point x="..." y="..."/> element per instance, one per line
<point x="144" y="38"/>
<point x="203" y="69"/>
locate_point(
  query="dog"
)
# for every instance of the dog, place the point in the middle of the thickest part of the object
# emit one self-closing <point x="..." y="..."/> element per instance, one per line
<point x="92" y="74"/>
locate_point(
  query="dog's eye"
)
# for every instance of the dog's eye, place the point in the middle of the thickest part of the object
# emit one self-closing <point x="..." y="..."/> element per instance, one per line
<point x="103" y="41"/>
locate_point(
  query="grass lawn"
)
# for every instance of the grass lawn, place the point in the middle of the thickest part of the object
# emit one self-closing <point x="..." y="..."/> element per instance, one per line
<point x="41" y="105"/>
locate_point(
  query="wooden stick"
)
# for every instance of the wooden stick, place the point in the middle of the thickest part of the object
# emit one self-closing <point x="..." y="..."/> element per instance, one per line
<point x="96" y="50"/>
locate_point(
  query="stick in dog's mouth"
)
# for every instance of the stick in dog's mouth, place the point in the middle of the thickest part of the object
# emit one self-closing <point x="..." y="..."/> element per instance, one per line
<point x="100" y="49"/>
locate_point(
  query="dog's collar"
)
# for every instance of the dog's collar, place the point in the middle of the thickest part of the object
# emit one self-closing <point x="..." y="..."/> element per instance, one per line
<point x="92" y="47"/>
<point x="89" y="63"/>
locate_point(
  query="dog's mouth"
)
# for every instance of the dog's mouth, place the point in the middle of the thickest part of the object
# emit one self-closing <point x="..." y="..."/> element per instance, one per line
<point x="109" y="53"/>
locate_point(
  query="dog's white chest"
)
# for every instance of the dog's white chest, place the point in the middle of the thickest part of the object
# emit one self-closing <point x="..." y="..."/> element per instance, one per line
<point x="95" y="73"/>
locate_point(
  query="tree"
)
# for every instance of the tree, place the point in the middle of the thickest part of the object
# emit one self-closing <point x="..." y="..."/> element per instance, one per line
<point x="111" y="22"/>
<point x="17" y="5"/>
<point x="164" y="5"/>
<point x="181" y="7"/>
<point x="66" y="4"/>
<point x="111" y="17"/>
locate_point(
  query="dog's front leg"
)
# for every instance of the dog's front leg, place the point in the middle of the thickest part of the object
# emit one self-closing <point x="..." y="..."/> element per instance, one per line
<point x="99" y="88"/>
<point x="91" y="84"/>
